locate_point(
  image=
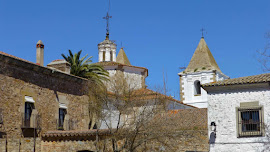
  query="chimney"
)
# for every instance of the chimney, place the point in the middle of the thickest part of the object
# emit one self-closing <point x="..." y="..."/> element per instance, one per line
<point x="60" y="65"/>
<point x="40" y="53"/>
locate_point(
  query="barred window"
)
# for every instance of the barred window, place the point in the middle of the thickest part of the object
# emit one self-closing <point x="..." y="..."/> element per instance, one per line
<point x="250" y="122"/>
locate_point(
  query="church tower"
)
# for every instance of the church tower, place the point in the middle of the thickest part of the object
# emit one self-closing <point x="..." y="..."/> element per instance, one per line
<point x="107" y="51"/>
<point x="107" y="48"/>
<point x="122" y="73"/>
<point x="201" y="69"/>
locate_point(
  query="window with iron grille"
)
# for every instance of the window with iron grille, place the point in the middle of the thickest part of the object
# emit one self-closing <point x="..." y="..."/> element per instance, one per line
<point x="250" y="121"/>
<point x="27" y="113"/>
<point x="62" y="113"/>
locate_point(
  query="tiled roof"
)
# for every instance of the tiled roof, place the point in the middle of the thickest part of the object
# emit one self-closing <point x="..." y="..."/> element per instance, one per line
<point x="116" y="63"/>
<point x="122" y="57"/>
<point x="202" y="59"/>
<point x="186" y="119"/>
<point x="147" y="94"/>
<point x="242" y="80"/>
<point x="76" y="133"/>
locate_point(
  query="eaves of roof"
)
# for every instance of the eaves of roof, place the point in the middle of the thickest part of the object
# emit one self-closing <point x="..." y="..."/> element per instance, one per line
<point x="105" y="63"/>
<point x="262" y="78"/>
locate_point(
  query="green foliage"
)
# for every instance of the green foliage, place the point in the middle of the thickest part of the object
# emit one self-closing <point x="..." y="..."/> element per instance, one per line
<point x="83" y="67"/>
<point x="195" y="69"/>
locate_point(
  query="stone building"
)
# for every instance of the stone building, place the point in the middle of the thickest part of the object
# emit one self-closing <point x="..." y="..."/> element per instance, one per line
<point x="47" y="109"/>
<point x="201" y="69"/>
<point x="238" y="113"/>
<point x="36" y="99"/>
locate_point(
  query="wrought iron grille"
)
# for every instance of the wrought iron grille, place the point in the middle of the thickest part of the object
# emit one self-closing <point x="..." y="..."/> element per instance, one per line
<point x="66" y="124"/>
<point x="33" y="121"/>
<point x="250" y="122"/>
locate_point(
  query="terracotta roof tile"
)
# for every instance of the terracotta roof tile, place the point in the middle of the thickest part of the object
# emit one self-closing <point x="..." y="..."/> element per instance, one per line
<point x="116" y="63"/>
<point x="242" y="80"/>
<point x="186" y="118"/>
<point x="76" y="133"/>
<point x="147" y="94"/>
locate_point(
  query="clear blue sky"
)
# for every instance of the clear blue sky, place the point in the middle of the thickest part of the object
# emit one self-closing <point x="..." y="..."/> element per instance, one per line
<point x="161" y="35"/>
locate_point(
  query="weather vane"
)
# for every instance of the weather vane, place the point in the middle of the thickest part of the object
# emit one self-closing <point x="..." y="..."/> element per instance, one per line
<point x="107" y="18"/>
<point x="203" y="30"/>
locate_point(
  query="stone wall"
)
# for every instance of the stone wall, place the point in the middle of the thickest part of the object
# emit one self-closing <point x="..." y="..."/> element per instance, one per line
<point x="185" y="140"/>
<point x="222" y="106"/>
<point x="48" y="89"/>
<point x="20" y="145"/>
<point x="68" y="146"/>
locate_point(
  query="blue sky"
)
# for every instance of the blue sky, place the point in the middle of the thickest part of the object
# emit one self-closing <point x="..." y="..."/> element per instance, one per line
<point x="157" y="34"/>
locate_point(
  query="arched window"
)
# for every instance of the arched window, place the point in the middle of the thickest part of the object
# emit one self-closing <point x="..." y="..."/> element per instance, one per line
<point x="111" y="57"/>
<point x="197" y="87"/>
<point x="104" y="55"/>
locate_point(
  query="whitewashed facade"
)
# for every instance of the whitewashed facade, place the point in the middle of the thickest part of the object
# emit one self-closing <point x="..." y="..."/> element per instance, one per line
<point x="239" y="110"/>
<point x="187" y="82"/>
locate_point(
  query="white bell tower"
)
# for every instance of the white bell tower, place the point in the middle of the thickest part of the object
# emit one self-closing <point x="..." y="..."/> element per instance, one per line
<point x="201" y="69"/>
<point x="107" y="48"/>
<point x="107" y="51"/>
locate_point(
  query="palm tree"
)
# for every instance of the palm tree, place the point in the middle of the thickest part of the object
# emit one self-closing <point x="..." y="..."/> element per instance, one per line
<point x="83" y="67"/>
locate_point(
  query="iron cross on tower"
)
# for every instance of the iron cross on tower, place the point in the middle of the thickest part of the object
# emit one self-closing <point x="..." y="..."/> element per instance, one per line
<point x="202" y="30"/>
<point x="107" y="29"/>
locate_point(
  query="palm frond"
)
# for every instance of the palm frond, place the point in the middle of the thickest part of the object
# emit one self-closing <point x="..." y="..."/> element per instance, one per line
<point x="83" y="67"/>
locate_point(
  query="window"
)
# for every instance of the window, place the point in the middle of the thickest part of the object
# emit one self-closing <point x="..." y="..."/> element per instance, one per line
<point x="250" y="121"/>
<point x="111" y="56"/>
<point x="27" y="113"/>
<point x="197" y="88"/>
<point x="103" y="55"/>
<point x="62" y="113"/>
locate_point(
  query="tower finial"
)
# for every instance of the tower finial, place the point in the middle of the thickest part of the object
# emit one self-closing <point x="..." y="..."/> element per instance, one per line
<point x="107" y="18"/>
<point x="203" y="30"/>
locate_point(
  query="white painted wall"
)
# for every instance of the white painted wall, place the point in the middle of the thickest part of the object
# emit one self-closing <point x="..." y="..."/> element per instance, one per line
<point x="188" y="85"/>
<point x="108" y="47"/>
<point x="133" y="78"/>
<point x="222" y="111"/>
